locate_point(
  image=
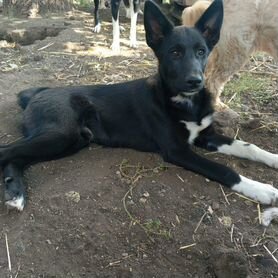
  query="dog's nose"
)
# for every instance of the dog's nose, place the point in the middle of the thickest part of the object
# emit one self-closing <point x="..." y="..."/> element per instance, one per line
<point x="194" y="81"/>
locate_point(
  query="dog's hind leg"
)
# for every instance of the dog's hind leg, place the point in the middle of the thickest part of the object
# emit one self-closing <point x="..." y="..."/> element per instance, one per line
<point x="46" y="146"/>
<point x="15" y="192"/>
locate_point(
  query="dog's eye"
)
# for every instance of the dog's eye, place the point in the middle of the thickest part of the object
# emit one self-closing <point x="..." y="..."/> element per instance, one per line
<point x="176" y="53"/>
<point x="201" y="52"/>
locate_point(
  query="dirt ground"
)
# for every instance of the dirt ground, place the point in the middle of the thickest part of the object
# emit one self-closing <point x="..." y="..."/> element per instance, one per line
<point x="117" y="212"/>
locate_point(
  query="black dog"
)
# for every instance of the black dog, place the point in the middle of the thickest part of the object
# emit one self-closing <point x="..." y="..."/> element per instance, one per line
<point x="165" y="113"/>
<point x="132" y="9"/>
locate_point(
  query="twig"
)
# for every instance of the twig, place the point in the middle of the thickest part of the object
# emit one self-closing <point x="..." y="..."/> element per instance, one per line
<point x="187" y="246"/>
<point x="259" y="213"/>
<point x="8" y="253"/>
<point x="246" y="198"/>
<point x="199" y="223"/>
<point x="180" y="177"/>
<point x="232" y="232"/>
<point x="46" y="46"/>
<point x="268" y="251"/>
<point x="226" y="199"/>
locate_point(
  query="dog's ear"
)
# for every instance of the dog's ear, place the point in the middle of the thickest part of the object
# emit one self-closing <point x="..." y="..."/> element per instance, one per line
<point x="210" y="23"/>
<point x="157" y="26"/>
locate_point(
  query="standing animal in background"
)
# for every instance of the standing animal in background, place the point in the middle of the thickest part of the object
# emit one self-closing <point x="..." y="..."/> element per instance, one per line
<point x="166" y="113"/>
<point x="132" y="9"/>
<point x="98" y="5"/>
<point x="248" y="26"/>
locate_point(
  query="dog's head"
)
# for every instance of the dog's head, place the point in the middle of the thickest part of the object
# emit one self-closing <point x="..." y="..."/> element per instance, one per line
<point x="182" y="52"/>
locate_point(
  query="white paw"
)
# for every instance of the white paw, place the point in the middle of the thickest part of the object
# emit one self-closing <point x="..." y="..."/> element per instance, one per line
<point x="261" y="192"/>
<point x="268" y="215"/>
<point x="122" y="28"/>
<point x="274" y="163"/>
<point x="97" y="28"/>
<point x="16" y="203"/>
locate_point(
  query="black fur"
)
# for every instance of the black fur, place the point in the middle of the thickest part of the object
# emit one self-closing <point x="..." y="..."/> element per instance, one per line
<point x="140" y="114"/>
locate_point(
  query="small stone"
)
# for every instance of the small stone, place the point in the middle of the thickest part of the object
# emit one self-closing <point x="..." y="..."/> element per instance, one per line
<point x="73" y="196"/>
<point x="142" y="200"/>
<point x="215" y="205"/>
<point x="131" y="202"/>
<point x="226" y="221"/>
<point x="146" y="194"/>
<point x="125" y="254"/>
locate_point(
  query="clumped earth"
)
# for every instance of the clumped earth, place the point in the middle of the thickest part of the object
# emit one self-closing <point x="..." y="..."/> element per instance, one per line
<point x="117" y="212"/>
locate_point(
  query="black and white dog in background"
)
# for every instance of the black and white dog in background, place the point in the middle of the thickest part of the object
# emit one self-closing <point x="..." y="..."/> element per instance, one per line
<point x="132" y="9"/>
<point x="166" y="113"/>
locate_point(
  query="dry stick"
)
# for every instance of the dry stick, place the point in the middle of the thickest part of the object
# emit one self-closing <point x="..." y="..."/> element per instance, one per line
<point x="8" y="253"/>
<point x="199" y="223"/>
<point x="233" y="96"/>
<point x="268" y="251"/>
<point x="46" y="46"/>
<point x="180" y="177"/>
<point x="259" y="213"/>
<point x="187" y="246"/>
<point x="226" y="199"/>
<point x="232" y="232"/>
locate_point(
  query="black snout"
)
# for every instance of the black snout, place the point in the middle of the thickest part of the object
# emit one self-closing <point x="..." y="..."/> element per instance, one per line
<point x="194" y="82"/>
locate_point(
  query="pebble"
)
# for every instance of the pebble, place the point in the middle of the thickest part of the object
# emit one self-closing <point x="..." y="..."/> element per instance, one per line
<point x="146" y="194"/>
<point x="142" y="200"/>
<point x="73" y="196"/>
<point x="215" y="205"/>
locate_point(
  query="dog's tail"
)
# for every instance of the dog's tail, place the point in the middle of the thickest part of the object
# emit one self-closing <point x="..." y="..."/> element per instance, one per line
<point x="25" y="96"/>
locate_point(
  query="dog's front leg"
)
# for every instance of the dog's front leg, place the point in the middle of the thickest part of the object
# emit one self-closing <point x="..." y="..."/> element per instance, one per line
<point x="222" y="144"/>
<point x="186" y="158"/>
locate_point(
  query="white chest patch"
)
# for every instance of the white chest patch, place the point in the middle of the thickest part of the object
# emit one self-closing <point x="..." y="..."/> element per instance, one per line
<point x="194" y="128"/>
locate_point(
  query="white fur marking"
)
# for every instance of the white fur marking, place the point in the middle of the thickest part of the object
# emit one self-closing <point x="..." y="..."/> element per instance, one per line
<point x="261" y="192"/>
<point x="268" y="215"/>
<point x="116" y="35"/>
<point x="194" y="128"/>
<point x="133" y="22"/>
<point x="97" y="28"/>
<point x="17" y="203"/>
<point x="182" y="99"/>
<point x="251" y="152"/>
